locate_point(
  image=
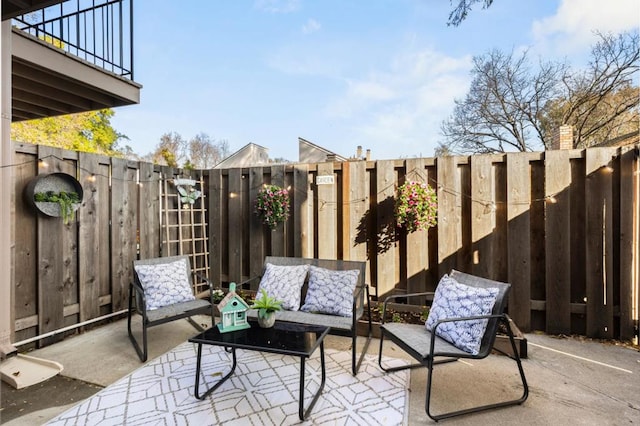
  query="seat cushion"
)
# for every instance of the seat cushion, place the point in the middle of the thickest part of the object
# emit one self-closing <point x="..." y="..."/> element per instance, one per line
<point x="165" y="284"/>
<point x="284" y="283"/>
<point x="330" y="292"/>
<point x="455" y="300"/>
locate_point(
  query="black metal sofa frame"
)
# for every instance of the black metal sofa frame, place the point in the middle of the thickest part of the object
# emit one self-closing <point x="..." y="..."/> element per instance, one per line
<point x="341" y="326"/>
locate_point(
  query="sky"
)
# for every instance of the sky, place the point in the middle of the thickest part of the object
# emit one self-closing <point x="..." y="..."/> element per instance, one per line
<point x="381" y="74"/>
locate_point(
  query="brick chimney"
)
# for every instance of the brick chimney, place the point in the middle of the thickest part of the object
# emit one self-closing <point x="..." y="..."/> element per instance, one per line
<point x="562" y="138"/>
<point x="359" y="152"/>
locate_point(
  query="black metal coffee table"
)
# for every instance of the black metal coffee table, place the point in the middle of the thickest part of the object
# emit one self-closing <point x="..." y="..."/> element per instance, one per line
<point x="283" y="338"/>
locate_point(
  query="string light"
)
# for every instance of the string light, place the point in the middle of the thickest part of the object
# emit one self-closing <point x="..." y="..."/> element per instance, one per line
<point x="489" y="205"/>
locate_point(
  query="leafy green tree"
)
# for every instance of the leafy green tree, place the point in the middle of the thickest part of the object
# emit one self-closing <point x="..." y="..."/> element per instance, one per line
<point x="88" y="132"/>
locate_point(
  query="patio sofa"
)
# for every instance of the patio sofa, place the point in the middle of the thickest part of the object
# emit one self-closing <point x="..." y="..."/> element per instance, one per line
<point x="325" y="292"/>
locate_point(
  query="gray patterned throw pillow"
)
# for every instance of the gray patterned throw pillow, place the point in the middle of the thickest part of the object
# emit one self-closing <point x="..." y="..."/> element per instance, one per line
<point x="330" y="292"/>
<point x="455" y="300"/>
<point x="165" y="284"/>
<point x="284" y="283"/>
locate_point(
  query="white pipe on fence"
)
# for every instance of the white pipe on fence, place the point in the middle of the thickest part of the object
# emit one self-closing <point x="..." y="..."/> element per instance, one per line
<point x="70" y="327"/>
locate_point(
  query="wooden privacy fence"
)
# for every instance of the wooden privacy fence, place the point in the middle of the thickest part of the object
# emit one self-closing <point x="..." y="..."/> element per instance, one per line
<point x="71" y="274"/>
<point x="560" y="226"/>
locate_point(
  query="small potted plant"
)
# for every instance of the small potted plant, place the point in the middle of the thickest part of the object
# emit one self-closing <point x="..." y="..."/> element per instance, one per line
<point x="272" y="204"/>
<point x="66" y="201"/>
<point x="416" y="206"/>
<point x="267" y="307"/>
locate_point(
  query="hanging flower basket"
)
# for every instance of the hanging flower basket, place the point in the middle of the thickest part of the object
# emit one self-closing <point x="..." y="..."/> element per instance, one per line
<point x="272" y="204"/>
<point x="416" y="206"/>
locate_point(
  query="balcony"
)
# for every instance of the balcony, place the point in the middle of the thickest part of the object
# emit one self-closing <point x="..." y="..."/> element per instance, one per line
<point x="71" y="57"/>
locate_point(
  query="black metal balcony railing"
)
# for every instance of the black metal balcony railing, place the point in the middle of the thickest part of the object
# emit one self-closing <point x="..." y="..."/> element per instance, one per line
<point x="97" y="31"/>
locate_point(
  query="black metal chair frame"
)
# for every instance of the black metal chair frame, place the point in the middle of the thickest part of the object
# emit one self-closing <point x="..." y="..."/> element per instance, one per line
<point x="137" y="304"/>
<point x="429" y="360"/>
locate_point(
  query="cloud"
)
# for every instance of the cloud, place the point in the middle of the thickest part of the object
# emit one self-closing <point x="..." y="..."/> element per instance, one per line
<point x="399" y="110"/>
<point x="572" y="27"/>
<point x="311" y="26"/>
<point x="277" y="6"/>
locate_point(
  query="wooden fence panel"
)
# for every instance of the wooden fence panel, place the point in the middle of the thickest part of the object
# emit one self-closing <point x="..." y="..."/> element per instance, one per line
<point x="124" y="193"/>
<point x="449" y="220"/>
<point x="89" y="238"/>
<point x="53" y="251"/>
<point x="149" y="208"/>
<point x="599" y="244"/>
<point x="492" y="222"/>
<point x="483" y="219"/>
<point x="355" y="207"/>
<point x="386" y="277"/>
<point x="629" y="209"/>
<point x="256" y="227"/>
<point x="235" y="224"/>
<point x="302" y="202"/>
<point x="214" y="198"/>
<point x="278" y="237"/>
<point x="578" y="214"/>
<point x="519" y="238"/>
<point x="26" y="257"/>
<point x="417" y="256"/>
<point x="327" y="215"/>
<point x="558" y="243"/>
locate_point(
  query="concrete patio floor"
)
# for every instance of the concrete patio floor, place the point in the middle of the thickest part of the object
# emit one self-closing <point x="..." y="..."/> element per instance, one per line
<point x="575" y="381"/>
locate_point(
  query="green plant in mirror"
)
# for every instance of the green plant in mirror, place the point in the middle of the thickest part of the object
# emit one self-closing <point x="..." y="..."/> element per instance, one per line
<point x="65" y="200"/>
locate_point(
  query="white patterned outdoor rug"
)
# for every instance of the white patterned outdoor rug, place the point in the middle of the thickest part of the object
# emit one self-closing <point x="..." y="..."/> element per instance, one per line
<point x="264" y="390"/>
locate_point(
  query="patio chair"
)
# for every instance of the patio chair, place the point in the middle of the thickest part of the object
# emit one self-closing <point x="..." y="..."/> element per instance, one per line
<point x="162" y="291"/>
<point x="444" y="342"/>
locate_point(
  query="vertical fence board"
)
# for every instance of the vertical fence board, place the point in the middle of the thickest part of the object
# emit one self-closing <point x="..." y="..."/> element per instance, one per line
<point x="89" y="238"/>
<point x="356" y="229"/>
<point x="557" y="242"/>
<point x="417" y="257"/>
<point x="149" y="212"/>
<point x="301" y="208"/>
<point x="449" y="221"/>
<point x="278" y="235"/>
<point x="235" y="225"/>
<point x="599" y="245"/>
<point x="214" y="208"/>
<point x="519" y="238"/>
<point x="628" y="165"/>
<point x="51" y="255"/>
<point x="256" y="227"/>
<point x="26" y="258"/>
<point x="123" y="230"/>
<point x="578" y="226"/>
<point x="327" y="215"/>
<point x="482" y="215"/>
<point x="386" y="229"/>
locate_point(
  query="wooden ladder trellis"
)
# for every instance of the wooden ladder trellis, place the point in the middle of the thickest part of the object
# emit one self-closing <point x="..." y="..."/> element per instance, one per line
<point x="184" y="228"/>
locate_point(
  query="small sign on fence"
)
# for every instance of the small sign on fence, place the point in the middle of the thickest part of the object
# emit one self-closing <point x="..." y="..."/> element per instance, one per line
<point x="324" y="180"/>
